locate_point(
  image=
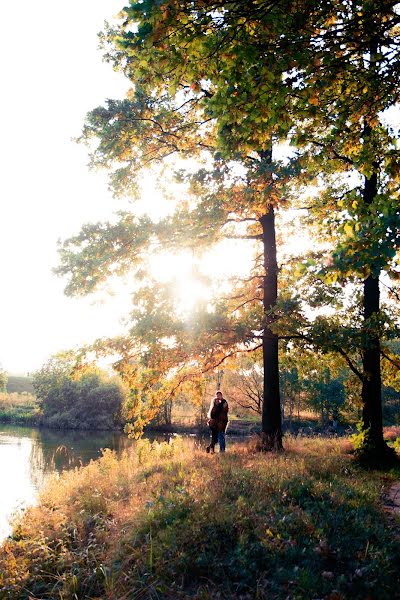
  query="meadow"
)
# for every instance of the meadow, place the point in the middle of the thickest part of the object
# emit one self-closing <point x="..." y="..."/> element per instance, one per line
<point x="19" y="408"/>
<point x="163" y="521"/>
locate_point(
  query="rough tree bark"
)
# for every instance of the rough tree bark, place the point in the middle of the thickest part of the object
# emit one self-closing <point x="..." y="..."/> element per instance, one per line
<point x="271" y="424"/>
<point x="375" y="448"/>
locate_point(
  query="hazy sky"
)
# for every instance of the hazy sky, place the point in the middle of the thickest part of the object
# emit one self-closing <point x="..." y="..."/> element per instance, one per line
<point x="51" y="74"/>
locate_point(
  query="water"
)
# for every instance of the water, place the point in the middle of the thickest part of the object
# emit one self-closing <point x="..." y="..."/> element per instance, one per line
<point x="29" y="456"/>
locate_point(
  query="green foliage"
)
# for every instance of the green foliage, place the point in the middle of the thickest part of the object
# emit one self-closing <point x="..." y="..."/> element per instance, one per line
<point x="19" y="409"/>
<point x="78" y="399"/>
<point x="326" y="393"/>
<point x="360" y="440"/>
<point x="368" y="453"/>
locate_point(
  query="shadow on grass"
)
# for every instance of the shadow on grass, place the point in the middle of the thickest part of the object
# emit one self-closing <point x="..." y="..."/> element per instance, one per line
<point x="302" y="524"/>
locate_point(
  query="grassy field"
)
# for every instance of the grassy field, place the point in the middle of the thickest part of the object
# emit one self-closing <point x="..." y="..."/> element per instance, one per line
<point x="18" y="405"/>
<point x="164" y="522"/>
<point x="18" y="408"/>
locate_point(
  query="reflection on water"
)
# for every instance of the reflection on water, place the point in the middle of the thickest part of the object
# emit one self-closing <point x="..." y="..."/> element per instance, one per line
<point x="29" y="456"/>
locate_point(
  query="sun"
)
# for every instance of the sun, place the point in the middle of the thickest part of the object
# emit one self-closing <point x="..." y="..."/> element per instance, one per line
<point x="199" y="280"/>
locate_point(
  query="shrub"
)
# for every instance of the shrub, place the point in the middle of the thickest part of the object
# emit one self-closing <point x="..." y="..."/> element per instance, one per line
<point x="87" y="399"/>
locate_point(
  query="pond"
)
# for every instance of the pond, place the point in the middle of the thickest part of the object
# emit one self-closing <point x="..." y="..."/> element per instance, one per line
<point x="28" y="457"/>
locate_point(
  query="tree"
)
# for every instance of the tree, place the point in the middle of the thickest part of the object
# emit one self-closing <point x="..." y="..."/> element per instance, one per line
<point x="355" y="78"/>
<point x="326" y="395"/>
<point x="177" y="106"/>
<point x="3" y="380"/>
<point x="222" y="77"/>
<point x="290" y="385"/>
<point x="83" y="398"/>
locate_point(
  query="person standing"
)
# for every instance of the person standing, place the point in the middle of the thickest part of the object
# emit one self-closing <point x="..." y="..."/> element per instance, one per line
<point x="218" y="421"/>
<point x="212" y="423"/>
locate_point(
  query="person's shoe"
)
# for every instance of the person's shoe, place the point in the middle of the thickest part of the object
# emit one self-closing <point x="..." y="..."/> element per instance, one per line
<point x="208" y="449"/>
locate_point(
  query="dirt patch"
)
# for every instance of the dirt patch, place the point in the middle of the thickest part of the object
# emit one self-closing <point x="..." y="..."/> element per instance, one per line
<point x="391" y="506"/>
<point x="392" y="499"/>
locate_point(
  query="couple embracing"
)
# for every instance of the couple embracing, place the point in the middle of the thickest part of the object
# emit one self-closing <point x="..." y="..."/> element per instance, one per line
<point x="218" y="420"/>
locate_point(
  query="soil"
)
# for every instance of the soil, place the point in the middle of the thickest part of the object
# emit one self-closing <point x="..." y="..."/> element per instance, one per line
<point x="392" y="499"/>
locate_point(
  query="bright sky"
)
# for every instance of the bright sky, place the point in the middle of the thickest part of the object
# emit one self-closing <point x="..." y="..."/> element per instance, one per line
<point x="52" y="73"/>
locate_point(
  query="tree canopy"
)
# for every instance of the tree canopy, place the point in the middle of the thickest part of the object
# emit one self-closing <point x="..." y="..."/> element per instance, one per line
<point x="223" y="83"/>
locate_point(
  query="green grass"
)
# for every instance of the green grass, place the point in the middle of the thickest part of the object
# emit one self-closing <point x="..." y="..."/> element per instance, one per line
<point x="164" y="522"/>
<point x="19" y="409"/>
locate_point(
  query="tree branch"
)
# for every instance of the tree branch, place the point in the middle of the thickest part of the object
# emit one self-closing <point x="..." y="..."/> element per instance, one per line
<point x="391" y="360"/>
<point x="246" y="302"/>
<point x="229" y="355"/>
<point x="244" y="237"/>
<point x="332" y="152"/>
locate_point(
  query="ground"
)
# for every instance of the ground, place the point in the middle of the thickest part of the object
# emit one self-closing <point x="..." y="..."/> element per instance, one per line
<point x="165" y="521"/>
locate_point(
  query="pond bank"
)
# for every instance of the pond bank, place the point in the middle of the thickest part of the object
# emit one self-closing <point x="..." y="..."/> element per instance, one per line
<point x="168" y="522"/>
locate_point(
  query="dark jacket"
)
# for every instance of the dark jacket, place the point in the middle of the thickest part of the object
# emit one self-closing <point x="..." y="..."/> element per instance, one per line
<point x="219" y="416"/>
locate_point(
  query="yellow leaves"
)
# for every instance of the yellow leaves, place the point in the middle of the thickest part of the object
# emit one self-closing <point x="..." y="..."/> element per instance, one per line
<point x="313" y="100"/>
<point x="269" y="533"/>
<point x="331" y="21"/>
<point x="372" y="121"/>
<point x="349" y="231"/>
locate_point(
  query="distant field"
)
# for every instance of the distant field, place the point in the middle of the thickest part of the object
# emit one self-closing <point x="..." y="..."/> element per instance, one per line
<point x="18" y="384"/>
<point x="18" y="408"/>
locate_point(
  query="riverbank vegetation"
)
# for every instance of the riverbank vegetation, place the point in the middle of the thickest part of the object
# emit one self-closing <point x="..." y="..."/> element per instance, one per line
<point x="68" y="397"/>
<point x="83" y="397"/>
<point x="19" y="409"/>
<point x="314" y="394"/>
<point x="166" y="522"/>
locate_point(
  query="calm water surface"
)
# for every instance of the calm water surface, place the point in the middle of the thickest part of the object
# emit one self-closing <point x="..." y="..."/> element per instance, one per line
<point x="29" y="456"/>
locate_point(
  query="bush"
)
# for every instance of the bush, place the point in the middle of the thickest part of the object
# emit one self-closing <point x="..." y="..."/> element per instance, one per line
<point x="89" y="399"/>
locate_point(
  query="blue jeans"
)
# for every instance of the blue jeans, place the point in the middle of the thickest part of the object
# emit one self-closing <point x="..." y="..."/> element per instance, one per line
<point x="221" y="441"/>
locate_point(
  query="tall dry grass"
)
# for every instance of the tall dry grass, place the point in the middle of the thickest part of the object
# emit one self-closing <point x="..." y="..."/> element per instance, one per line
<point x="167" y="522"/>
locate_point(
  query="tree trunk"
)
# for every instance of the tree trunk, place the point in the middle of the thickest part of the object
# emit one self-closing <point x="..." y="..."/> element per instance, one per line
<point x="291" y="404"/>
<point x="374" y="449"/>
<point x="371" y="388"/>
<point x="271" y="412"/>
